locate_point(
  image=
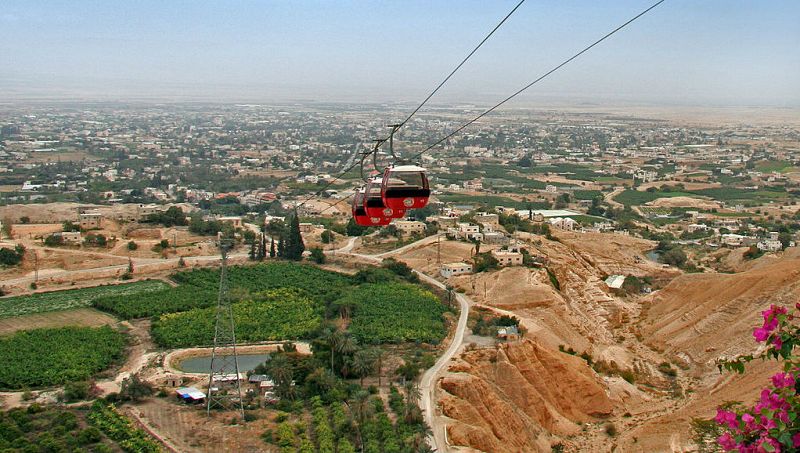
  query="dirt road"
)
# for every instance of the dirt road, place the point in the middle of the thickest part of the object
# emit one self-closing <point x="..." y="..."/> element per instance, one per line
<point x="609" y="198"/>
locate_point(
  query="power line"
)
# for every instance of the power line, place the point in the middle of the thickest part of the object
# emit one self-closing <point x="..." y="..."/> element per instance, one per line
<point x="486" y="38"/>
<point x="540" y="78"/>
<point x="414" y="112"/>
<point x="515" y="94"/>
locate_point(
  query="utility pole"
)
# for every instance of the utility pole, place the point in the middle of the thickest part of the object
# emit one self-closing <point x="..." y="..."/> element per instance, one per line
<point x="438" y="249"/>
<point x="36" y="267"/>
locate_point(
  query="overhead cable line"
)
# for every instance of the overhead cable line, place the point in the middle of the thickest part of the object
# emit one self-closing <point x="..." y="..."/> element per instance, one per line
<point x="414" y="112"/>
<point x="486" y="38"/>
<point x="543" y="76"/>
<point x="540" y="78"/>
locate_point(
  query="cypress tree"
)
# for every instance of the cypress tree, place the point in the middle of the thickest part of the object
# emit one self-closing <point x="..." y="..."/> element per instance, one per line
<point x="281" y="247"/>
<point x="252" y="253"/>
<point x="262" y="247"/>
<point x="293" y="246"/>
<point x="272" y="252"/>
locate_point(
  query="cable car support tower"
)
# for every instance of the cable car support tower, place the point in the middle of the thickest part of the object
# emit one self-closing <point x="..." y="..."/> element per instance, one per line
<point x="224" y="388"/>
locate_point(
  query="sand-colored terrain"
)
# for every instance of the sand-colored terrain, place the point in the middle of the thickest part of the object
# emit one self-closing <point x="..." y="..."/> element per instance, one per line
<point x="684" y="202"/>
<point x="80" y="317"/>
<point x="511" y="398"/>
<point x="487" y="403"/>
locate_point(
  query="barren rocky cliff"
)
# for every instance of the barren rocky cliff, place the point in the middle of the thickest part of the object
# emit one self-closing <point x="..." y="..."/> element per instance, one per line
<point x="514" y="397"/>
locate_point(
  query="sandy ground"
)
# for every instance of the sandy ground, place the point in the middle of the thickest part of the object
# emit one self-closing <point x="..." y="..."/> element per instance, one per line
<point x="688" y="202"/>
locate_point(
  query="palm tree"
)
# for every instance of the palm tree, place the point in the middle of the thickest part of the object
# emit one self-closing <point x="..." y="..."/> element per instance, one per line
<point x="280" y="370"/>
<point x="413" y="395"/>
<point x="363" y="364"/>
<point x="332" y="337"/>
<point x="379" y="355"/>
<point x="346" y="346"/>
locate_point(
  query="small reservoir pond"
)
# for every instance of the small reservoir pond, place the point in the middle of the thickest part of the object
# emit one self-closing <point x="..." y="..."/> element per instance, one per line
<point x="202" y="364"/>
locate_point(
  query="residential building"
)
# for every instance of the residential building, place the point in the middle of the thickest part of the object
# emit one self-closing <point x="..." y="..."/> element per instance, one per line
<point x="233" y="220"/>
<point x="451" y="269"/>
<point x="770" y="245"/>
<point x="410" y="226"/>
<point x="90" y="220"/>
<point x="486" y="218"/>
<point x="69" y="237"/>
<point x="563" y="223"/>
<point x="507" y="257"/>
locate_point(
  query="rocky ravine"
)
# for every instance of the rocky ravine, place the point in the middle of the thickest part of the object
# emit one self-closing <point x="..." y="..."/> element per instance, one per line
<point x="515" y="397"/>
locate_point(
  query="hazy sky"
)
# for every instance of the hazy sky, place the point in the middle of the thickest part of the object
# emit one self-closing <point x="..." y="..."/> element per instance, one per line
<point x="685" y="51"/>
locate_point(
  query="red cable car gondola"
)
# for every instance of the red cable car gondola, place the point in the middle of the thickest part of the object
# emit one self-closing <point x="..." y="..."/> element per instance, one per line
<point x="373" y="202"/>
<point x="359" y="213"/>
<point x="405" y="187"/>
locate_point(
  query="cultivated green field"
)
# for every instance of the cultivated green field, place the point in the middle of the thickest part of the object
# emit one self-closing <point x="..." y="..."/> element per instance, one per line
<point x="198" y="288"/>
<point x="393" y="313"/>
<point x="44" y="357"/>
<point x="73" y="298"/>
<point x="280" y="314"/>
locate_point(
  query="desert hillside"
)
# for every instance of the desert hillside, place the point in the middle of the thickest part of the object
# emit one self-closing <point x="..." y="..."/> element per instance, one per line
<point x="514" y="397"/>
<point x="651" y="364"/>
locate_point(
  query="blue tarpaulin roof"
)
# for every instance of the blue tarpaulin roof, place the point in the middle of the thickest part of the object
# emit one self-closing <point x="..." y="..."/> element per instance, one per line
<point x="190" y="393"/>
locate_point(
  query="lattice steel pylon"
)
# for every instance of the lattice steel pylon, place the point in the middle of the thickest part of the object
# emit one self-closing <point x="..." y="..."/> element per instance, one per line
<point x="224" y="388"/>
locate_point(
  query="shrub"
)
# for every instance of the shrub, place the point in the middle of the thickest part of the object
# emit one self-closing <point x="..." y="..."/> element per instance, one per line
<point x="770" y="424"/>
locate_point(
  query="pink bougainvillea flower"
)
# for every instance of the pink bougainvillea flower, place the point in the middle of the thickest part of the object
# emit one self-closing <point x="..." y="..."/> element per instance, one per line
<point x="783" y="380"/>
<point x="768" y="423"/>
<point x="796" y="438"/>
<point x="761" y="334"/>
<point x="727" y="418"/>
<point x="727" y="442"/>
<point x="777" y="342"/>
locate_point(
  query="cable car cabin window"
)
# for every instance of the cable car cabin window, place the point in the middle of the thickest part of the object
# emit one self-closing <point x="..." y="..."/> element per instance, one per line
<point x="410" y="180"/>
<point x="373" y="199"/>
<point x="358" y="204"/>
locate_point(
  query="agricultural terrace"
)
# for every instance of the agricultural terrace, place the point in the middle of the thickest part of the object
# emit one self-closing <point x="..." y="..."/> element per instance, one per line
<point x="282" y="301"/>
<point x="727" y="194"/>
<point x="269" y="315"/>
<point x="72" y="298"/>
<point x="45" y="357"/>
<point x="198" y="288"/>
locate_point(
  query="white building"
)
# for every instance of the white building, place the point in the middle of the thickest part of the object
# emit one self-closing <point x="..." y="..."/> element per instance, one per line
<point x="732" y="240"/>
<point x="563" y="223"/>
<point x="696" y="227"/>
<point x="770" y="245"/>
<point x="451" y="269"/>
<point x="474" y="184"/>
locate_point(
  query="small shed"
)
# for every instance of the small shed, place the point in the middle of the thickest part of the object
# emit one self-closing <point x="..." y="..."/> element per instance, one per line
<point x="173" y="380"/>
<point x="190" y="395"/>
